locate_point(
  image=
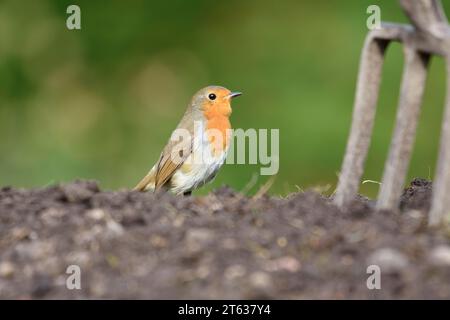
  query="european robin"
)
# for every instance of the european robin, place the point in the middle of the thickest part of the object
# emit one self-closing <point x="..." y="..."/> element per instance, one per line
<point x="205" y="133"/>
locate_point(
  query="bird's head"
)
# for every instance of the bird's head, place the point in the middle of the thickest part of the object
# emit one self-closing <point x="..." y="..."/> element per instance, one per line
<point x="214" y="101"/>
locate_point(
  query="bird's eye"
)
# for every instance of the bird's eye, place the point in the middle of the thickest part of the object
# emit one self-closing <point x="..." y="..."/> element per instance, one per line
<point x="212" y="96"/>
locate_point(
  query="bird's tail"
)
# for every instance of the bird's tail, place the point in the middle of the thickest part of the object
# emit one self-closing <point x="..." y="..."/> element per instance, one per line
<point x="148" y="182"/>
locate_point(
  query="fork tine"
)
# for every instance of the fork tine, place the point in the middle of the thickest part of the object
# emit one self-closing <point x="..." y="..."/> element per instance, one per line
<point x="440" y="204"/>
<point x="363" y="118"/>
<point x="396" y="167"/>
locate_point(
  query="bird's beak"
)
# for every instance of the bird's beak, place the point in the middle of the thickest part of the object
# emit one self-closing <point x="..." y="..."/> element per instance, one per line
<point x="234" y="94"/>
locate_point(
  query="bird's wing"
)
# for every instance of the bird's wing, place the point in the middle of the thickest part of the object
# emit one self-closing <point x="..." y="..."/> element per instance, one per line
<point x="173" y="156"/>
<point x="148" y="179"/>
<point x="166" y="165"/>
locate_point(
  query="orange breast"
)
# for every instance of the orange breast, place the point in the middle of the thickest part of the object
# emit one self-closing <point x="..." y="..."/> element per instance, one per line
<point x="220" y="135"/>
<point x="217" y="115"/>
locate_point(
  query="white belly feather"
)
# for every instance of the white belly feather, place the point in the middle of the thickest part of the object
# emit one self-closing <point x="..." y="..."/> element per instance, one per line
<point x="198" y="169"/>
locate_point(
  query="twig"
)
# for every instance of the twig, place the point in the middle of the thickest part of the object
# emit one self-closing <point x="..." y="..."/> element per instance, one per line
<point x="264" y="188"/>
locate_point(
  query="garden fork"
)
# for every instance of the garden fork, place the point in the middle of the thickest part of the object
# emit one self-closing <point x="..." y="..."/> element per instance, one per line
<point x="428" y="35"/>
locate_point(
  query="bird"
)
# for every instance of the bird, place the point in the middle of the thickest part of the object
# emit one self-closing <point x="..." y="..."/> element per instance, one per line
<point x="198" y="146"/>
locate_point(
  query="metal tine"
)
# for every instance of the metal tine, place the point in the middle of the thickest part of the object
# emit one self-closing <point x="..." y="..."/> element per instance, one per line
<point x="408" y="111"/>
<point x="440" y="204"/>
<point x="367" y="90"/>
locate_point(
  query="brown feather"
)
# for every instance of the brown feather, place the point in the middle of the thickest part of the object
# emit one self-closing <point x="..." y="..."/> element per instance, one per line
<point x="149" y="178"/>
<point x="166" y="167"/>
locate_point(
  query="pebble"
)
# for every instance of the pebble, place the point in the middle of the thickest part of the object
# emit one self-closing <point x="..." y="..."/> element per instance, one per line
<point x="114" y="227"/>
<point x="286" y="263"/>
<point x="199" y="237"/>
<point x="96" y="214"/>
<point x="260" y="280"/>
<point x="20" y="233"/>
<point x="282" y="242"/>
<point x="388" y="259"/>
<point x="76" y="193"/>
<point x="235" y="271"/>
<point x="440" y="255"/>
<point x="6" y="269"/>
<point x="158" y="242"/>
<point x="229" y="244"/>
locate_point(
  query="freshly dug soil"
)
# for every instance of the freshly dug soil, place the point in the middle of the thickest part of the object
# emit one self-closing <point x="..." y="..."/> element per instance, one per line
<point x="224" y="245"/>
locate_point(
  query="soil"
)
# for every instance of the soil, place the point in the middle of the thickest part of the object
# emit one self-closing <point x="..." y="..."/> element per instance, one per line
<point x="224" y="245"/>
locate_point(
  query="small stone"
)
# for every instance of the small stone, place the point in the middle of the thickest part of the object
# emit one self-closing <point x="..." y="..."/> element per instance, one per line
<point x="20" y="233"/>
<point x="158" y="241"/>
<point x="259" y="222"/>
<point x="115" y="227"/>
<point x="6" y="269"/>
<point x="79" y="191"/>
<point x="96" y="214"/>
<point x="260" y="280"/>
<point x="388" y="259"/>
<point x="229" y="244"/>
<point x="289" y="264"/>
<point x="33" y="235"/>
<point x="34" y="249"/>
<point x="347" y="260"/>
<point x="282" y="242"/>
<point x="440" y="256"/>
<point x="297" y="223"/>
<point x="178" y="222"/>
<point x="52" y="214"/>
<point x="198" y="238"/>
<point x="203" y="272"/>
<point x="235" y="271"/>
<point x="80" y="258"/>
<point x="415" y="214"/>
<point x="286" y="263"/>
<point x="215" y="205"/>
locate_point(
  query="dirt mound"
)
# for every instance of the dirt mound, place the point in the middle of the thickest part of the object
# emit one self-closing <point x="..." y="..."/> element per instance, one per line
<point x="144" y="245"/>
<point x="417" y="195"/>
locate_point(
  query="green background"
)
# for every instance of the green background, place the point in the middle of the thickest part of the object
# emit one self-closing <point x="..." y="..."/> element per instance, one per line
<point x="100" y="102"/>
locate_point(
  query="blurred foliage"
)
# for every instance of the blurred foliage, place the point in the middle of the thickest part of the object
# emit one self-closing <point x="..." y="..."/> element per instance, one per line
<point x="101" y="102"/>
